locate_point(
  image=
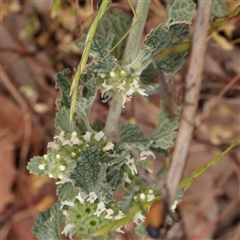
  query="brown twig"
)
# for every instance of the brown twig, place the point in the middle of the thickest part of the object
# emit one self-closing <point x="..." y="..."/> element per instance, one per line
<point x="193" y="83"/>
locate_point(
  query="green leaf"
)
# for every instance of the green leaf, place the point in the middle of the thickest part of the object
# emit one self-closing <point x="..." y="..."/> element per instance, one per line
<point x="90" y="87"/>
<point x="83" y="109"/>
<point x="66" y="191"/>
<point x="180" y="11"/>
<point x="47" y="226"/>
<point x="85" y="174"/>
<point x="120" y="23"/>
<point x="62" y="121"/>
<point x="102" y="188"/>
<point x="33" y="166"/>
<point x="188" y="181"/>
<point x="219" y="8"/>
<point x="126" y="202"/>
<point x="165" y="132"/>
<point x="172" y="63"/>
<point x="132" y="135"/>
<point x="115" y="177"/>
<point x="64" y="86"/>
<point x="156" y="41"/>
<point x="149" y="74"/>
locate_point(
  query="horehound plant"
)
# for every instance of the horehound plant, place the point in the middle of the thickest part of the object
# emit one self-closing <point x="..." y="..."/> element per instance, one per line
<point x="93" y="166"/>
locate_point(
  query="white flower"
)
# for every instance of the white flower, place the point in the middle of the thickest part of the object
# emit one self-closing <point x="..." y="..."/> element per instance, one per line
<point x="73" y="154"/>
<point x="45" y="156"/>
<point x="41" y="166"/>
<point x="106" y="88"/>
<point x="67" y="142"/>
<point x="81" y="197"/>
<point x="138" y="218"/>
<point x="150" y="197"/>
<point x="109" y="214"/>
<point x="126" y="178"/>
<point x="141" y="92"/>
<point x="67" y="203"/>
<point x="75" y="140"/>
<point x="74" y="134"/>
<point x="173" y="207"/>
<point x="112" y="74"/>
<point x="58" y="156"/>
<point x="142" y="196"/>
<point x="119" y="216"/>
<point x="150" y="191"/>
<point x="98" y="136"/>
<point x="126" y="99"/>
<point x="134" y="87"/>
<point x="123" y="72"/>
<point x="102" y="75"/>
<point x="53" y="146"/>
<point x="50" y="175"/>
<point x="131" y="165"/>
<point x="62" y="167"/>
<point x="119" y="230"/>
<point x="60" y="176"/>
<point x="101" y="208"/>
<point x="68" y="230"/>
<point x="121" y="86"/>
<point x="144" y="154"/>
<point x="87" y="136"/>
<point x="60" y="136"/>
<point x="64" y="180"/>
<point x="92" y="197"/>
<point x="108" y="147"/>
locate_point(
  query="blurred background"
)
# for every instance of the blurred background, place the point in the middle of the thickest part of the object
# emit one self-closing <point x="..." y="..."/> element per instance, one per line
<point x="37" y="43"/>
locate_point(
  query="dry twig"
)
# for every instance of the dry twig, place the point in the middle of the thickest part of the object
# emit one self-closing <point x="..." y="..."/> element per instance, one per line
<point x="193" y="83"/>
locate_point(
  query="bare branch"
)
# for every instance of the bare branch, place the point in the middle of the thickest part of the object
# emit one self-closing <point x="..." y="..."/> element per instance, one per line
<point x="193" y="83"/>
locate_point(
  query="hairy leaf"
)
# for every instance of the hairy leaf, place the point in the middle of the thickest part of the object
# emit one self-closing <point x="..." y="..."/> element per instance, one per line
<point x="132" y="135"/>
<point x="33" y="166"/>
<point x="66" y="191"/>
<point x="62" y="121"/>
<point x="126" y="202"/>
<point x="165" y="132"/>
<point x="180" y="11"/>
<point x="47" y="226"/>
<point x="85" y="174"/>
<point x="120" y="23"/>
<point x="83" y="109"/>
<point x="64" y="86"/>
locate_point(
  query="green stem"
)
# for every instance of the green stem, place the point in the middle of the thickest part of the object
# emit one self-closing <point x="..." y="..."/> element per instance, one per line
<point x="84" y="58"/>
<point x="129" y="55"/>
<point x="113" y="116"/>
<point x="134" y="38"/>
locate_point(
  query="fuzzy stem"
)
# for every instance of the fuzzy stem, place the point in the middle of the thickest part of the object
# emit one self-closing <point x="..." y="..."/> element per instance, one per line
<point x="130" y="53"/>
<point x="135" y="35"/>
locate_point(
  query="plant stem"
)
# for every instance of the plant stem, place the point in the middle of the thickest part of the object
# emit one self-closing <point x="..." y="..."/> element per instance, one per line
<point x="135" y="35"/>
<point x="130" y="53"/>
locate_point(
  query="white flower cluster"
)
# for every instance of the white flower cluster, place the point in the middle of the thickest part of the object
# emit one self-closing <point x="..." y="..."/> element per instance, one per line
<point x="76" y="143"/>
<point x="122" y="81"/>
<point x="101" y="209"/>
